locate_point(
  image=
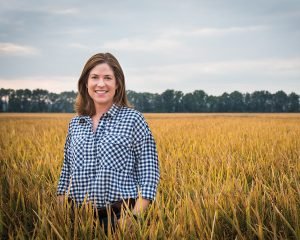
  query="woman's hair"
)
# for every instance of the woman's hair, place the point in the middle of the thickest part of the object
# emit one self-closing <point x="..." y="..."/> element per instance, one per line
<point x="84" y="104"/>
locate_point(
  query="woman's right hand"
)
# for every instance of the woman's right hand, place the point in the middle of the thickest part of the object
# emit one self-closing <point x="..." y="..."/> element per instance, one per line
<point x="60" y="200"/>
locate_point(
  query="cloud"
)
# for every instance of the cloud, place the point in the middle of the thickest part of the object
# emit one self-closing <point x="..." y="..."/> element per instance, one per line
<point x="168" y="39"/>
<point x="78" y="46"/>
<point x="210" y="31"/>
<point x="220" y="74"/>
<point x="15" y="49"/>
<point x="54" y="84"/>
<point x="269" y="66"/>
<point x="137" y="44"/>
<point x="273" y="66"/>
<point x="213" y="77"/>
<point x="66" y="11"/>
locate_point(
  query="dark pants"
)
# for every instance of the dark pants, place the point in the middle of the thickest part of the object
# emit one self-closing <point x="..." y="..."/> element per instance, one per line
<point x="112" y="212"/>
<point x="113" y="222"/>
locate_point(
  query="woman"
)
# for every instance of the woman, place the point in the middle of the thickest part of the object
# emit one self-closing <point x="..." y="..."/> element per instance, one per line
<point x="110" y="154"/>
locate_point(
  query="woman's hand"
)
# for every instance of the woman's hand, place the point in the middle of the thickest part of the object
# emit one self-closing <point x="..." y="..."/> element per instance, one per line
<point x="140" y="206"/>
<point x="126" y="220"/>
<point x="60" y="199"/>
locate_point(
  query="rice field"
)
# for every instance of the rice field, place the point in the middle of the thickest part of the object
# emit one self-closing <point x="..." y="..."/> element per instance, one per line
<point x="223" y="176"/>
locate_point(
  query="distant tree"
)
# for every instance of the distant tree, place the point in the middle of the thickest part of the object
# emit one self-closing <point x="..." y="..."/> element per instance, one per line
<point x="178" y="106"/>
<point x="212" y="103"/>
<point x="199" y="99"/>
<point x="293" y="103"/>
<point x="224" y="102"/>
<point x="4" y="99"/>
<point x="188" y="103"/>
<point x="39" y="103"/>
<point x="147" y="101"/>
<point x="139" y="100"/>
<point x="40" y="100"/>
<point x="14" y="103"/>
<point x="53" y="106"/>
<point x="280" y="102"/>
<point x="158" y="103"/>
<point x="24" y="98"/>
<point x="68" y="100"/>
<point x="132" y="97"/>
<point x="247" y="101"/>
<point x="236" y="102"/>
<point x="168" y="103"/>
<point x="261" y="101"/>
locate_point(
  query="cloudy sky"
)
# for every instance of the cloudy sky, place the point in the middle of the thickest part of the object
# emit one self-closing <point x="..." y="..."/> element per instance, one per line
<point x="215" y="46"/>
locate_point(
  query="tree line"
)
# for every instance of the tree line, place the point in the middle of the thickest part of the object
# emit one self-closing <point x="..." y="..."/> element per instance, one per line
<point x="39" y="100"/>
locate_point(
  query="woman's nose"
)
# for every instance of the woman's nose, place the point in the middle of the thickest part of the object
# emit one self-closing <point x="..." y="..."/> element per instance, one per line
<point x="101" y="82"/>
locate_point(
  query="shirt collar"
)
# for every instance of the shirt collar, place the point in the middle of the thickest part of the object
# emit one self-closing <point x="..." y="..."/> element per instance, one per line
<point x="111" y="112"/>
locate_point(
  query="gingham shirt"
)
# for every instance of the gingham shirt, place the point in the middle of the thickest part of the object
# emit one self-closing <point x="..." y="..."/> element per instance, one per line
<point x="116" y="162"/>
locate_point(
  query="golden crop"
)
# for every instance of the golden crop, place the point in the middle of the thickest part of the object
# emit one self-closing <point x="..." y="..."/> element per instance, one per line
<point x="223" y="176"/>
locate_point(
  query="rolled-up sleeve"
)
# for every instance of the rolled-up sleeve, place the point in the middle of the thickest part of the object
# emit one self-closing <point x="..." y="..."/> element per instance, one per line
<point x="64" y="179"/>
<point x="147" y="166"/>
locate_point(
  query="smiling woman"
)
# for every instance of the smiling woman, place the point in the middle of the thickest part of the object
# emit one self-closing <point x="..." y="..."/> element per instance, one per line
<point x="103" y="74"/>
<point x="102" y="85"/>
<point x="110" y="155"/>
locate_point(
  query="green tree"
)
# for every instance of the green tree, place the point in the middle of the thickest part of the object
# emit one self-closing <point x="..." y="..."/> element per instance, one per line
<point x="199" y="98"/>
<point x="212" y="103"/>
<point x="293" y="102"/>
<point x="261" y="101"/>
<point x="188" y="103"/>
<point x="168" y="97"/>
<point x="224" y="102"/>
<point x="280" y="102"/>
<point x="178" y="106"/>
<point x="236" y="100"/>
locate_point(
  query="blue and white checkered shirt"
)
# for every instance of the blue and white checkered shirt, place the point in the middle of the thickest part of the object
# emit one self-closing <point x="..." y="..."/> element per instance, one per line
<point x="116" y="162"/>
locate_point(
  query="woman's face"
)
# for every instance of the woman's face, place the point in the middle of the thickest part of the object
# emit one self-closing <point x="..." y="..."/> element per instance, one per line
<point x="102" y="85"/>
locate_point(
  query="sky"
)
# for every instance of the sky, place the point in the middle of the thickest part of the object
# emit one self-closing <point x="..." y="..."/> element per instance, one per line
<point x="215" y="46"/>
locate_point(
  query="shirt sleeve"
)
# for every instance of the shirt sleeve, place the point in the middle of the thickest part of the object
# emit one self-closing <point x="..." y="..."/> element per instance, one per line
<point x="146" y="162"/>
<point x="64" y="179"/>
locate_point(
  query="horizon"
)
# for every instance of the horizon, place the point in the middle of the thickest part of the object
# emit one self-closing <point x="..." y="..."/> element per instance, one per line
<point x="263" y="90"/>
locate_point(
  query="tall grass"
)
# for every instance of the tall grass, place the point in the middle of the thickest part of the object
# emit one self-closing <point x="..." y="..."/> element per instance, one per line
<point x="233" y="176"/>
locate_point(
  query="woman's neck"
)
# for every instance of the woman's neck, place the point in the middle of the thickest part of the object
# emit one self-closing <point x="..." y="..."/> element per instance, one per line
<point x="100" y="109"/>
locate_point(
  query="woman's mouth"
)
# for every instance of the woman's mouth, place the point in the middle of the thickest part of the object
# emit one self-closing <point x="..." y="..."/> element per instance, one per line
<point x="100" y="92"/>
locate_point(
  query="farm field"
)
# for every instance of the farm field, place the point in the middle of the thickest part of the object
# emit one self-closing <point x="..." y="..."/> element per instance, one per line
<point x="223" y="176"/>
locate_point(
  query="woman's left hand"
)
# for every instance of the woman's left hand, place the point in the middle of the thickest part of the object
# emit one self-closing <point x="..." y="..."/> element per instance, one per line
<point x="126" y="222"/>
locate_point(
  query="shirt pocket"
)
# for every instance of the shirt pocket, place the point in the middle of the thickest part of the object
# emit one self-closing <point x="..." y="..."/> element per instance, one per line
<point x="77" y="146"/>
<point x="113" y="151"/>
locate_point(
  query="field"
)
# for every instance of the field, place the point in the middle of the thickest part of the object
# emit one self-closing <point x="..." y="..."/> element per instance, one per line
<point x="223" y="176"/>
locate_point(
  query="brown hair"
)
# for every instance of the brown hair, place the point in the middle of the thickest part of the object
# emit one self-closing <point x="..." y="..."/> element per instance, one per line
<point x="84" y="104"/>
